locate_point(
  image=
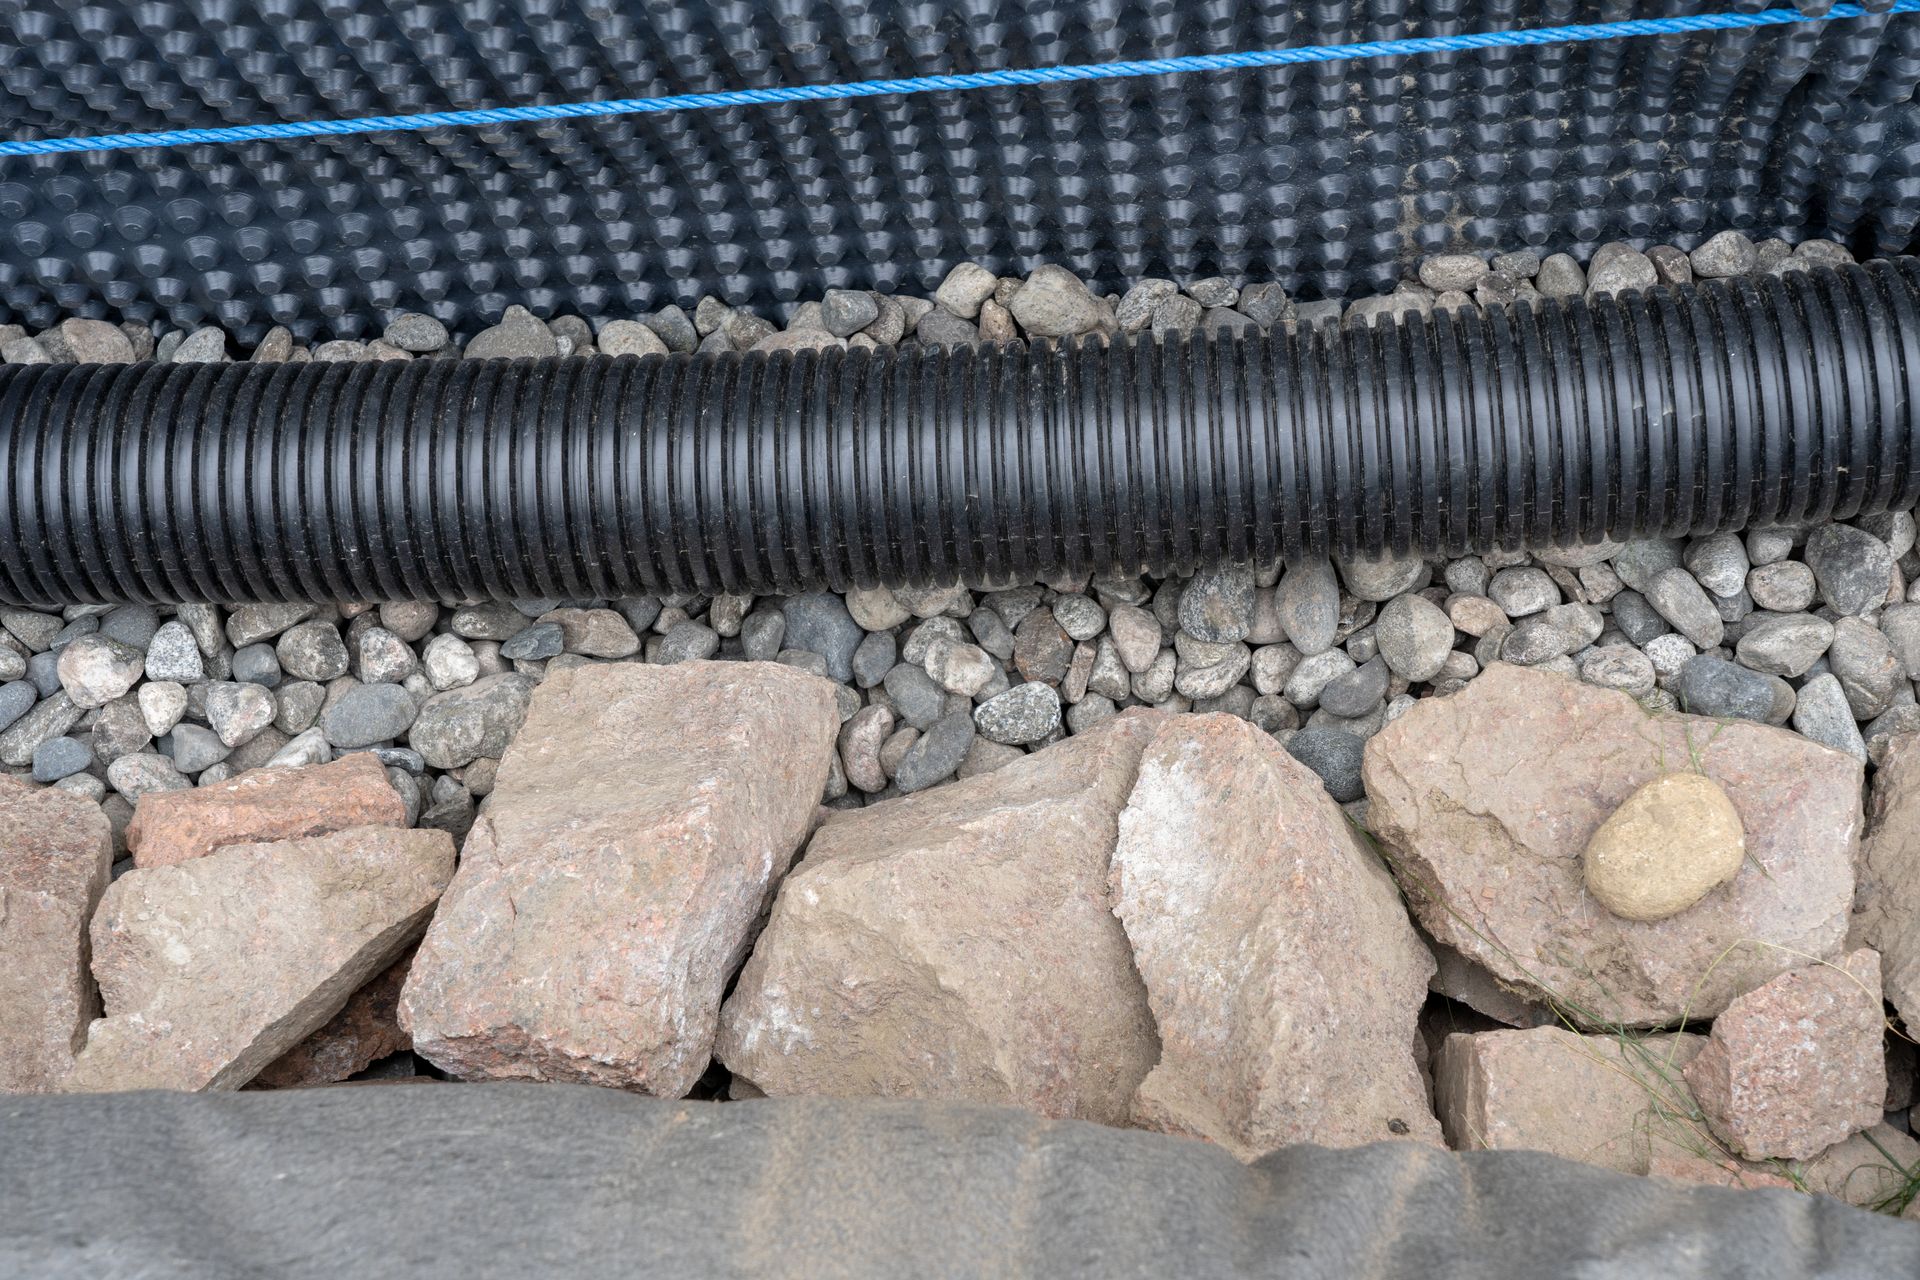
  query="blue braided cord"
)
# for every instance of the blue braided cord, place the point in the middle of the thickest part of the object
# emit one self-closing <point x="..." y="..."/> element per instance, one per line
<point x="1252" y="59"/>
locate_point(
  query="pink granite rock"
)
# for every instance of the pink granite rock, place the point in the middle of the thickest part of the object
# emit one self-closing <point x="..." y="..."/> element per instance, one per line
<point x="1284" y="976"/>
<point x="55" y="852"/>
<point x="1484" y="800"/>
<point x="958" y="944"/>
<point x="1888" y="899"/>
<point x="1615" y="1101"/>
<point x="214" y="967"/>
<point x="1798" y="1064"/>
<point x="609" y="889"/>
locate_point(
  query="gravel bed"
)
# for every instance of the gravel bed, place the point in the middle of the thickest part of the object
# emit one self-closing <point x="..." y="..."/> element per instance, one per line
<point x="1809" y="628"/>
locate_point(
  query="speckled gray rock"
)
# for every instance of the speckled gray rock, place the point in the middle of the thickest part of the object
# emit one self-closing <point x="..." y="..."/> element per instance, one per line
<point x="967" y="286"/>
<point x="252" y="623"/>
<point x="1637" y="620"/>
<point x="1718" y="562"/>
<point x="1453" y="271"/>
<point x="1854" y="569"/>
<point x="1216" y="606"/>
<point x="1522" y="591"/>
<point x="519" y="335"/>
<point x="1617" y="268"/>
<point x="937" y="753"/>
<point x="1784" y="644"/>
<point x="370" y="713"/>
<point x="1382" y="579"/>
<point x="95" y="670"/>
<point x="411" y="331"/>
<point x="1561" y="276"/>
<point x="1710" y="686"/>
<point x="16" y="699"/>
<point x="1684" y="603"/>
<point x="1619" y="666"/>
<point x="462" y="725"/>
<point x="1335" y="755"/>
<point x="1869" y="671"/>
<point x="1728" y="253"/>
<point x="144" y="773"/>
<point x="1786" y="586"/>
<point x="239" y="712"/>
<point x="1308" y="602"/>
<point x="1414" y="636"/>
<point x="1023" y="714"/>
<point x="1821" y="713"/>
<point x="1207" y="670"/>
<point x="1055" y="304"/>
<point x="819" y="623"/>
<point x="1640" y="561"/>
<point x="312" y="651"/>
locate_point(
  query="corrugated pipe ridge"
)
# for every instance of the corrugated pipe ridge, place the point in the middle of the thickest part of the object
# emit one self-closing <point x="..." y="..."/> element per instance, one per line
<point x="1679" y="410"/>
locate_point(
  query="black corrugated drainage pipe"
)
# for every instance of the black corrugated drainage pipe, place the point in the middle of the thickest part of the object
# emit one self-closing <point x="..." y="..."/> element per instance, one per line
<point x="1681" y="410"/>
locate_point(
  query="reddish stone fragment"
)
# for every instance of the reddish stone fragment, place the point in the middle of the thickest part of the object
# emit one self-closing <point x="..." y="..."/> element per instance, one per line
<point x="365" y="1031"/>
<point x="55" y="852"/>
<point x="171" y="827"/>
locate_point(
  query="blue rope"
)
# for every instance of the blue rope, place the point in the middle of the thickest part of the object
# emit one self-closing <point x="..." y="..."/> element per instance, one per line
<point x="1252" y="59"/>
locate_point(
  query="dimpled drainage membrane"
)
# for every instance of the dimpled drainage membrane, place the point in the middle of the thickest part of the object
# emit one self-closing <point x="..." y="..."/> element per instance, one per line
<point x="1332" y="178"/>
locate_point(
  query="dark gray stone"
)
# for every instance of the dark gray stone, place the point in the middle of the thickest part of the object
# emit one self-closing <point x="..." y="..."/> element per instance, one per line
<point x="1335" y="755"/>
<point x="875" y="656"/>
<point x="535" y="644"/>
<point x="131" y="624"/>
<point x="1216" y="606"/>
<point x="1853" y="568"/>
<point x="58" y="758"/>
<point x="370" y="713"/>
<point x="939" y="751"/>
<point x="1710" y="686"/>
<point x="1359" y="691"/>
<point x="16" y="699"/>
<point x="917" y="700"/>
<point x="762" y="633"/>
<point x="819" y="623"/>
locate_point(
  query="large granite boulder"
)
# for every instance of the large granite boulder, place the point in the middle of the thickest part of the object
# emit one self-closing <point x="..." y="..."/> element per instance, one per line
<point x="1284" y="976"/>
<point x="1484" y="800"/>
<point x="214" y="967"/>
<point x="55" y="852"/>
<point x="610" y="888"/>
<point x="959" y="944"/>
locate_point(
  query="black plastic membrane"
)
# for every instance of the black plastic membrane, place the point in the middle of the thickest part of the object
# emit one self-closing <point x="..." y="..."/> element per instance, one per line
<point x="1332" y="179"/>
<point x="1680" y="410"/>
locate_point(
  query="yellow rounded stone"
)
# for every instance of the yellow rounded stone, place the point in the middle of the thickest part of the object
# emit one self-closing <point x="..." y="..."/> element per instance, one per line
<point x="1667" y="846"/>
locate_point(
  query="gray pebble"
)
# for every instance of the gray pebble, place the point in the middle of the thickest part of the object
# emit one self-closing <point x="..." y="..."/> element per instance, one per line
<point x="1023" y="714"/>
<point x="131" y="624"/>
<point x="875" y="656"/>
<point x="1414" y="636"/>
<point x="252" y="623"/>
<point x="819" y="623"/>
<point x="1378" y="580"/>
<point x="239" y="712"/>
<point x="1709" y="686"/>
<point x="916" y="698"/>
<point x="411" y="331"/>
<point x="1216" y="605"/>
<point x="1854" y="569"/>
<point x="371" y="713"/>
<point x="1864" y="662"/>
<point x="1206" y="669"/>
<point x="1640" y="561"/>
<point x="534" y="644"/>
<point x="144" y="773"/>
<point x="519" y="335"/>
<point x="1729" y="253"/>
<point x="1083" y="619"/>
<point x="1333" y="754"/>
<point x="762" y="633"/>
<point x="57" y="758"/>
<point x="1523" y="591"/>
<point x="1785" y="586"/>
<point x="935" y="755"/>
<point x="1767" y="546"/>
<point x="1821" y="713"/>
<point x="1684" y="603"/>
<point x="1617" y="268"/>
<point x="1637" y="620"/>
<point x="311" y="651"/>
<point x="1308" y="601"/>
<point x="257" y="664"/>
<point x="460" y="726"/>
<point x="1357" y="692"/>
<point x="1718" y="562"/>
<point x="689" y="641"/>
<point x="1784" y="644"/>
<point x="194" y="748"/>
